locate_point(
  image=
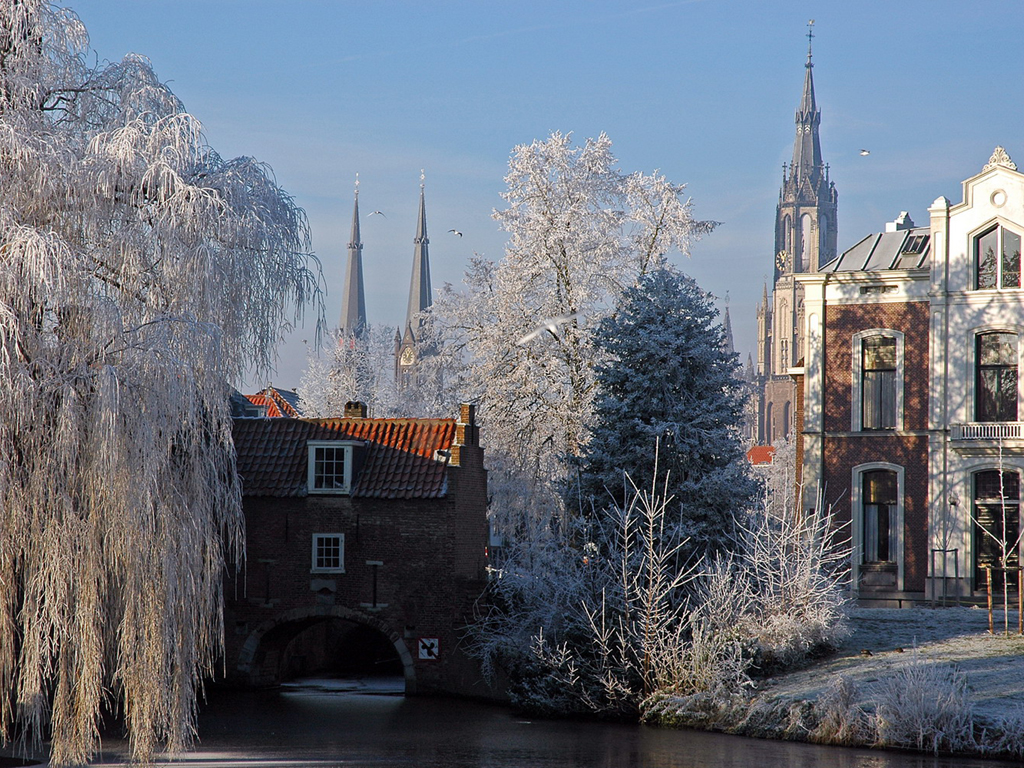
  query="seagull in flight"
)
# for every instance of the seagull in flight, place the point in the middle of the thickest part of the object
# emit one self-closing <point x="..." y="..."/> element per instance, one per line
<point x="377" y="213"/>
<point x="865" y="152"/>
<point x="455" y="232"/>
<point x="550" y="325"/>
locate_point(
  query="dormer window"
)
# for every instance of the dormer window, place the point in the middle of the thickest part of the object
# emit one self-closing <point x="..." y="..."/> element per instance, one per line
<point x="997" y="259"/>
<point x="330" y="467"/>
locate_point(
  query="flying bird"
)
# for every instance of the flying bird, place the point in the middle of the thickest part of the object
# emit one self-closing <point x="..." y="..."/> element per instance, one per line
<point x="550" y="325"/>
<point x="377" y="213"/>
<point x="455" y="232"/>
<point x="865" y="152"/>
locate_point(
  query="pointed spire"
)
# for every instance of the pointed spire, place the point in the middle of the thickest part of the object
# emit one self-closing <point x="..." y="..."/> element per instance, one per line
<point x="807" y="147"/>
<point x="727" y="339"/>
<point x="419" y="288"/>
<point x="353" y="301"/>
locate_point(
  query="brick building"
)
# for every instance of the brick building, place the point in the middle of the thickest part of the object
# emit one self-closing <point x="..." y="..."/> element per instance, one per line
<point x="910" y="416"/>
<point x="366" y="549"/>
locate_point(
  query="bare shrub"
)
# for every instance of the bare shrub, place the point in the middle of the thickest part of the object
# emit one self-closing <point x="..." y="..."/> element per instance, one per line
<point x="840" y="719"/>
<point x="925" y="706"/>
<point x="1006" y="735"/>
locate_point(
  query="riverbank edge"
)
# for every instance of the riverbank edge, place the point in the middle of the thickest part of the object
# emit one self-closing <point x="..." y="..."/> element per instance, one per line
<point x="807" y="720"/>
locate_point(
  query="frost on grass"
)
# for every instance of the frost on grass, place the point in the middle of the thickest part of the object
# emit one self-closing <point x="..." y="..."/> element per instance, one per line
<point x="139" y="273"/>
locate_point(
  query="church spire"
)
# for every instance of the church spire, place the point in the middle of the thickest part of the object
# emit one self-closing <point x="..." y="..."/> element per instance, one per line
<point x="807" y="147"/>
<point x="727" y="339"/>
<point x="419" y="288"/>
<point x="353" y="301"/>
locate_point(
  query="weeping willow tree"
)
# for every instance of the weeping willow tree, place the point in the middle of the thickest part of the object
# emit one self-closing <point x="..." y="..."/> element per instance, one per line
<point x="139" y="273"/>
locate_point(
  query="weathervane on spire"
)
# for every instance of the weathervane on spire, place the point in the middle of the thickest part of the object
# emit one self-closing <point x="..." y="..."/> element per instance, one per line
<point x="357" y="184"/>
<point x="423" y="178"/>
<point x="810" y="37"/>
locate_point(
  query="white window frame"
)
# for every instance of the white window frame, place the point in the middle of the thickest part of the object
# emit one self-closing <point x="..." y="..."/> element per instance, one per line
<point x="312" y="446"/>
<point x="857" y="369"/>
<point x="317" y="538"/>
<point x="971" y="367"/>
<point x="1001" y="226"/>
<point x="857" y="518"/>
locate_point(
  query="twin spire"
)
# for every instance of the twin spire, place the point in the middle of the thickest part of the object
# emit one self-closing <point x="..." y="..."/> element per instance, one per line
<point x="353" y="301"/>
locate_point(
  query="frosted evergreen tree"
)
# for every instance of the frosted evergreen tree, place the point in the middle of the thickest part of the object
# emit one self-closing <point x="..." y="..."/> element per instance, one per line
<point x="666" y="375"/>
<point x="139" y="274"/>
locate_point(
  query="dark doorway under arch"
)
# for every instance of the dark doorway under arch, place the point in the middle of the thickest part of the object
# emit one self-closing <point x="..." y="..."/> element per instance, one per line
<point x="324" y="642"/>
<point x="339" y="648"/>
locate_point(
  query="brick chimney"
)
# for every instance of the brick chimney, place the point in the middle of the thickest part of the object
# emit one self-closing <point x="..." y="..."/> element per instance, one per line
<point x="467" y="433"/>
<point x="355" y="410"/>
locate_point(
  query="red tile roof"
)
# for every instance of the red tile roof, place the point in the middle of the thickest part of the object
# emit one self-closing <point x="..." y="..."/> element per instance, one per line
<point x="761" y="454"/>
<point x="276" y="403"/>
<point x="398" y="461"/>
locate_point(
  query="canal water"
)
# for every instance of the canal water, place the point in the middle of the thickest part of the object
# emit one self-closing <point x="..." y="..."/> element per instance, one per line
<point x="361" y="725"/>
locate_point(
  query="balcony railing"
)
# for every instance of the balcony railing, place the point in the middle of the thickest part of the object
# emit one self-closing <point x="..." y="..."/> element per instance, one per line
<point x="990" y="430"/>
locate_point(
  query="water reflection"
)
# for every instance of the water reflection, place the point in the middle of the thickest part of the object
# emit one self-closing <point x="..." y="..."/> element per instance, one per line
<point x="334" y="724"/>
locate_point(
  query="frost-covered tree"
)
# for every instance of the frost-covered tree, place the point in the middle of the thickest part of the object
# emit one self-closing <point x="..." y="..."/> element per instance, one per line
<point x="139" y="274"/>
<point x="664" y="373"/>
<point x="580" y="231"/>
<point x="362" y="368"/>
<point x="352" y="367"/>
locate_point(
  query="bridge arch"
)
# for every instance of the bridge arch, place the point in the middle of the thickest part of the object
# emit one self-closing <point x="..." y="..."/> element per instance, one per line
<point x="256" y="665"/>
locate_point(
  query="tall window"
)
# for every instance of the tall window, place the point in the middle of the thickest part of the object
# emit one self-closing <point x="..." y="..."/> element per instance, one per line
<point x="878" y="382"/>
<point x="996" y="384"/>
<point x="996" y="522"/>
<point x="805" y="243"/>
<point x="879" y="510"/>
<point x="997" y="259"/>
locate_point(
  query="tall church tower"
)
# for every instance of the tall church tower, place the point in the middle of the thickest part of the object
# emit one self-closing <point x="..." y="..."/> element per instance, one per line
<point x="407" y="350"/>
<point x="805" y="240"/>
<point x="353" y="300"/>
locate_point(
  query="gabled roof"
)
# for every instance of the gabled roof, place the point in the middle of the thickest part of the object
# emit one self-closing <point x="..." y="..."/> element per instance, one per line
<point x="903" y="249"/>
<point x="399" y="460"/>
<point x="279" y="403"/>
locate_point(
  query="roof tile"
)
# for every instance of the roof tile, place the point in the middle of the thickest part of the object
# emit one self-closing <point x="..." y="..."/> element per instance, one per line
<point x="397" y="462"/>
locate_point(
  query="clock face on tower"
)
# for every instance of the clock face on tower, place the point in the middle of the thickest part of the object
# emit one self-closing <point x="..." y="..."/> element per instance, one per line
<point x="407" y="357"/>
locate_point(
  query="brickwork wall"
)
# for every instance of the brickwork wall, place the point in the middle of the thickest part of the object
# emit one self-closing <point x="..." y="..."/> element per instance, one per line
<point x="844" y="450"/>
<point x="841" y="322"/>
<point x="842" y="454"/>
<point x="434" y="567"/>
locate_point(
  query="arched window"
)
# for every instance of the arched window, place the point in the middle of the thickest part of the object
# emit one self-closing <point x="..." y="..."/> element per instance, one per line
<point x="787" y="234"/>
<point x="805" y="242"/>
<point x="787" y="424"/>
<point x="997" y="259"/>
<point x="769" y="416"/>
<point x="878" y="503"/>
<point x="878" y="374"/>
<point x="995" y="391"/>
<point x="996" y="523"/>
<point x="878" y="382"/>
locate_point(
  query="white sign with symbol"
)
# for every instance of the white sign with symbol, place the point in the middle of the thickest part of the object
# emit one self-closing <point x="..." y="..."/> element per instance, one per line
<point x="430" y="648"/>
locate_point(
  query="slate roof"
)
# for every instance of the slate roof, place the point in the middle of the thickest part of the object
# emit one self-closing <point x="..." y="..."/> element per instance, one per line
<point x="278" y="402"/>
<point x="398" y="460"/>
<point x="904" y="249"/>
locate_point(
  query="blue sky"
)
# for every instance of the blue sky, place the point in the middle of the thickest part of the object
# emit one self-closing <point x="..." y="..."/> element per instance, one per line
<point x="704" y="90"/>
